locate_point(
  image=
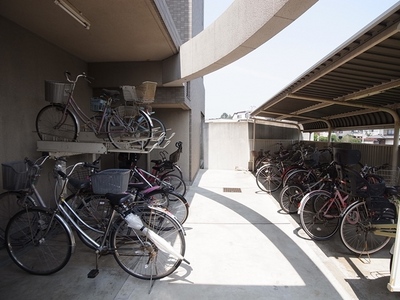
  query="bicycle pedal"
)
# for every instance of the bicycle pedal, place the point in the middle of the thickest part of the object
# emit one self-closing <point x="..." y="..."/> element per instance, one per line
<point x="93" y="273"/>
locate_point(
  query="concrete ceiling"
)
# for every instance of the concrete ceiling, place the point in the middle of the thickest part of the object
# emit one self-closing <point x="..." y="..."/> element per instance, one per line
<point x="121" y="30"/>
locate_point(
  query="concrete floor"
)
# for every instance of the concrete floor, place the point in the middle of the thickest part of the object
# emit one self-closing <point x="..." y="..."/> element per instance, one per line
<point x="240" y="246"/>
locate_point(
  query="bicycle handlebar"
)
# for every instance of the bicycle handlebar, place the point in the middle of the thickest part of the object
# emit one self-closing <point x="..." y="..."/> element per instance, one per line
<point x="83" y="74"/>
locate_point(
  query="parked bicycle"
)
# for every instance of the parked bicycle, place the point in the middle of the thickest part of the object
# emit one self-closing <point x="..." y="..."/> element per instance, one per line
<point x="147" y="243"/>
<point x="60" y="121"/>
<point x="20" y="179"/>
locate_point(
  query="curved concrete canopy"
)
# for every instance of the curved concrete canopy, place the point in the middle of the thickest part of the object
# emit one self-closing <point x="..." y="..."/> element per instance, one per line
<point x="243" y="27"/>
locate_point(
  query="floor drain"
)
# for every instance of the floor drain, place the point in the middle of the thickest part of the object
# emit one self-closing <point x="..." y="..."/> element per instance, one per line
<point x="232" y="190"/>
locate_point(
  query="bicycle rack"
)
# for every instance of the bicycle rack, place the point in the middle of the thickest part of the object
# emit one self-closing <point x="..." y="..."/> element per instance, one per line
<point x="90" y="144"/>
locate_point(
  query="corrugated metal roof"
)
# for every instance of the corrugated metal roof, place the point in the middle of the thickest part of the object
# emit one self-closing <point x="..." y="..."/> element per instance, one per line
<point x="356" y="86"/>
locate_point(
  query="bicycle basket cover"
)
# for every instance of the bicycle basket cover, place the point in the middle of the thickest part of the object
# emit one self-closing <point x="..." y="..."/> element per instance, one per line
<point x="382" y="210"/>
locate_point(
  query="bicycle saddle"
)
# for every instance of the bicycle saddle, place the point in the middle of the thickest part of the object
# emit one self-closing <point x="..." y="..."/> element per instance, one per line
<point x="110" y="93"/>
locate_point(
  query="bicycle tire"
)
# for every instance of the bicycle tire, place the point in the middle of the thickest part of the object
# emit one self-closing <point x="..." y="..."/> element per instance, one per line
<point x="39" y="241"/>
<point x="178" y="184"/>
<point x="290" y="198"/>
<point x="11" y="202"/>
<point x="134" y="131"/>
<point x="137" y="254"/>
<point x="176" y="170"/>
<point x="170" y="201"/>
<point x="320" y="215"/>
<point x="268" y="178"/>
<point x="48" y="125"/>
<point x="95" y="211"/>
<point x="299" y="177"/>
<point x="356" y="232"/>
<point x="158" y="130"/>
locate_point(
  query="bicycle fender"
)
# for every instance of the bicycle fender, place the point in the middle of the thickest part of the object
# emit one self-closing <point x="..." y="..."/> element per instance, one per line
<point x="350" y="207"/>
<point x="308" y="196"/>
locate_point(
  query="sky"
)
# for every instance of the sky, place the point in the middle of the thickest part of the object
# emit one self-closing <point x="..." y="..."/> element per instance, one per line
<point x="252" y="80"/>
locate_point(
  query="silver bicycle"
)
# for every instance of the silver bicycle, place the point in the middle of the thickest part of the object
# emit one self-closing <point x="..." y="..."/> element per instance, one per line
<point x="146" y="242"/>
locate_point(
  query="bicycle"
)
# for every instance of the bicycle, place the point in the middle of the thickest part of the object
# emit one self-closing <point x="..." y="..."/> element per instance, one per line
<point x="20" y="179"/>
<point x="320" y="212"/>
<point x="269" y="177"/>
<point x="168" y="166"/>
<point x="291" y="195"/>
<point x="147" y="243"/>
<point x="95" y="210"/>
<point x="60" y="119"/>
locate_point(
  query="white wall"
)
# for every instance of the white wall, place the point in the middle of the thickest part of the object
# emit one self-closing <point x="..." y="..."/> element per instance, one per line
<point x="227" y="145"/>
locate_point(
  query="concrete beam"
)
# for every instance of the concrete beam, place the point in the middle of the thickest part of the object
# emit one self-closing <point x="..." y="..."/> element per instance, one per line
<point x="243" y="27"/>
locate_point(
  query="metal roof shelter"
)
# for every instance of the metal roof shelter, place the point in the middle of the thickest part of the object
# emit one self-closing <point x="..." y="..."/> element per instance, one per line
<point x="357" y="86"/>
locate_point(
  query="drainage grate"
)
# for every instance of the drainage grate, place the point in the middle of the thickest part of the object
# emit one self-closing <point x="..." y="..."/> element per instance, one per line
<point x="232" y="190"/>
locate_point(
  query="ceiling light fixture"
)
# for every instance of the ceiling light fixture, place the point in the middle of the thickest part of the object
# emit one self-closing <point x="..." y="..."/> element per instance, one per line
<point x="73" y="12"/>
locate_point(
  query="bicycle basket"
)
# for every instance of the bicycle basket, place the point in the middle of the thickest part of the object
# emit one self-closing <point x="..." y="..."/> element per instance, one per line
<point x="97" y="104"/>
<point x="129" y="93"/>
<point x="146" y="92"/>
<point x="57" y="92"/>
<point x="80" y="173"/>
<point x="17" y="175"/>
<point x="113" y="181"/>
<point x="127" y="111"/>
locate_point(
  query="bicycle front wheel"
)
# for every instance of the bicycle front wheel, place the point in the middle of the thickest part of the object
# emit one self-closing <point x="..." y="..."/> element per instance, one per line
<point x="320" y="215"/>
<point x="290" y="198"/>
<point x="356" y="230"/>
<point x="268" y="178"/>
<point x="38" y="241"/>
<point x="11" y="203"/>
<point x="54" y="123"/>
<point x="137" y="253"/>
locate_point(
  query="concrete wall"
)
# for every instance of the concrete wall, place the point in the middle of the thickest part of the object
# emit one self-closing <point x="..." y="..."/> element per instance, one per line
<point x="26" y="62"/>
<point x="227" y="145"/>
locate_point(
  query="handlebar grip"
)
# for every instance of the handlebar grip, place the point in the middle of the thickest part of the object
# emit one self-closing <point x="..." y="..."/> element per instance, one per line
<point x="29" y="162"/>
<point x="62" y="174"/>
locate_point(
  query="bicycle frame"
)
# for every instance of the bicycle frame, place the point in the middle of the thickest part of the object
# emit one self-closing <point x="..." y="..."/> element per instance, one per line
<point x="65" y="209"/>
<point x="78" y="114"/>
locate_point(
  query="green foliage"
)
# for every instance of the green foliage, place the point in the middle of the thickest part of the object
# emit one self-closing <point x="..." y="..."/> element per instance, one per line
<point x="226" y="116"/>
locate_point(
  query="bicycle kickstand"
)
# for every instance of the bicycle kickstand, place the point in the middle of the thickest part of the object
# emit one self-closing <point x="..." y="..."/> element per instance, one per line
<point x="94" y="272"/>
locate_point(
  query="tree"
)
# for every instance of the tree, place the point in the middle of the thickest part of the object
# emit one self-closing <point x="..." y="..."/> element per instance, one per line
<point x="226" y="116"/>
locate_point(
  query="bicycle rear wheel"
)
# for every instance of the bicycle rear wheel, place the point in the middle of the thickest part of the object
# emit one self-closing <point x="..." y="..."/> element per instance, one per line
<point x="171" y="201"/>
<point x="290" y="198"/>
<point x="39" y="241"/>
<point x="53" y="125"/>
<point x="176" y="182"/>
<point x="137" y="254"/>
<point x="268" y="178"/>
<point x="319" y="215"/>
<point x="356" y="230"/>
<point x="11" y="203"/>
<point x="159" y="131"/>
